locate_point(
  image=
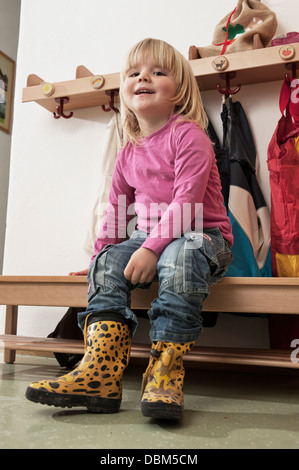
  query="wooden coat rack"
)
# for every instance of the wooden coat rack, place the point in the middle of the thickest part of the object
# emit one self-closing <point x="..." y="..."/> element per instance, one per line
<point x="86" y="90"/>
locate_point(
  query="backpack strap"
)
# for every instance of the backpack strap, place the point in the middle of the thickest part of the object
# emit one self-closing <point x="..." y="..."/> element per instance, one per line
<point x="291" y="134"/>
<point x="285" y="95"/>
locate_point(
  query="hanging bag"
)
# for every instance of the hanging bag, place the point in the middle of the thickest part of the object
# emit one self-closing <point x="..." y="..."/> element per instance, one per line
<point x="283" y="166"/>
<point x="237" y="30"/>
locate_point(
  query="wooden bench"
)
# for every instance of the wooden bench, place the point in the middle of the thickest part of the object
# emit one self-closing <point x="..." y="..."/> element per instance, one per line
<point x="233" y="295"/>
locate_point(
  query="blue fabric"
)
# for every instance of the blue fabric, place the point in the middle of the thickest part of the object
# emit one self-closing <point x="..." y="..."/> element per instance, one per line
<point x="244" y="262"/>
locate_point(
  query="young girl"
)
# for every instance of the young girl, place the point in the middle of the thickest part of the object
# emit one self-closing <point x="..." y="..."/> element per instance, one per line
<point x="165" y="169"/>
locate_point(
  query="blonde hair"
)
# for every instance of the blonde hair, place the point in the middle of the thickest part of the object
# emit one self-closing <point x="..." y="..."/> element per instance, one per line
<point x="187" y="102"/>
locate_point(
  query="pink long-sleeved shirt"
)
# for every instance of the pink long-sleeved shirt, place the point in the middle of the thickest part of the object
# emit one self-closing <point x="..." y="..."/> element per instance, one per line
<point x="164" y="181"/>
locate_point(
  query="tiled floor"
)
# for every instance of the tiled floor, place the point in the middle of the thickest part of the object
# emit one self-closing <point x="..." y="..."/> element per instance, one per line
<point x="223" y="410"/>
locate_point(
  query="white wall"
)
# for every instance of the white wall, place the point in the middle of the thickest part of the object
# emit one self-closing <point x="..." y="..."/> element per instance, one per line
<point x="53" y="177"/>
<point x="9" y="34"/>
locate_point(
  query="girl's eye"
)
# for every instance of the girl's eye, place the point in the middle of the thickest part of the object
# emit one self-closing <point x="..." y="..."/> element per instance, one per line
<point x="157" y="73"/>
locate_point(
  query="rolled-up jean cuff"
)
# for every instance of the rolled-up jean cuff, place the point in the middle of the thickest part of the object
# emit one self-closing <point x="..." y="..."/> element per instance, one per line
<point x="126" y="312"/>
<point x="175" y="338"/>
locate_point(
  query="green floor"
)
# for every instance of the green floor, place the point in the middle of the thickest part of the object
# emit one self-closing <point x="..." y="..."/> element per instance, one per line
<point x="223" y="410"/>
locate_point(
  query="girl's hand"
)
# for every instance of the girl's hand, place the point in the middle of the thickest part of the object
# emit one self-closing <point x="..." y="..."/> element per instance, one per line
<point x="142" y="266"/>
<point x="84" y="272"/>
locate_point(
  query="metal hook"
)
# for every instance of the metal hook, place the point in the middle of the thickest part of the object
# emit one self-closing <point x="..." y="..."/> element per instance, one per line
<point x="227" y="76"/>
<point x="111" y="102"/>
<point x="59" y="108"/>
<point x="292" y="66"/>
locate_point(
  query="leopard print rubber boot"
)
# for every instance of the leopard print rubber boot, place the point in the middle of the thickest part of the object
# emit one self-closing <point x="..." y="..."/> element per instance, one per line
<point x="162" y="388"/>
<point x="97" y="381"/>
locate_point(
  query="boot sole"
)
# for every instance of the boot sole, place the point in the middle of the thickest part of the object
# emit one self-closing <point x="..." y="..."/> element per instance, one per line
<point x="92" y="403"/>
<point x="162" y="410"/>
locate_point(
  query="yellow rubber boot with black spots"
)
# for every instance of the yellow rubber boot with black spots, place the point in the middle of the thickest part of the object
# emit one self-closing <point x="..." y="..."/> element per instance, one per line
<point x="97" y="381"/>
<point x="162" y="388"/>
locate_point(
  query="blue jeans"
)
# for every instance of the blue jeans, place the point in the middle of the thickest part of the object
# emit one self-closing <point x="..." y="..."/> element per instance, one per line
<point x="186" y="270"/>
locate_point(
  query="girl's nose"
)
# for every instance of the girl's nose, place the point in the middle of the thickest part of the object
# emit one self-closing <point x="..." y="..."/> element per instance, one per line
<point x="144" y="77"/>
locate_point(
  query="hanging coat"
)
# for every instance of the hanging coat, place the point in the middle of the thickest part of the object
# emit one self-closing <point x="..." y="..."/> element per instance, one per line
<point x="246" y="206"/>
<point x="109" y="149"/>
<point x="283" y="166"/>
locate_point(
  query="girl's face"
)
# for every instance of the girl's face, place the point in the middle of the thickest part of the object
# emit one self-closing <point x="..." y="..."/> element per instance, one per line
<point x="147" y="91"/>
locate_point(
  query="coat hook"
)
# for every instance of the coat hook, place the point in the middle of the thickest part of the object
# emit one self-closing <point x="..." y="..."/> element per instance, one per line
<point x="227" y="76"/>
<point x="59" y="108"/>
<point x="292" y="66"/>
<point x="111" y="102"/>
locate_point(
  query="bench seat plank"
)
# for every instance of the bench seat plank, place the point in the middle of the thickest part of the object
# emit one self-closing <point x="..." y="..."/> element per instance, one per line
<point x="232" y="294"/>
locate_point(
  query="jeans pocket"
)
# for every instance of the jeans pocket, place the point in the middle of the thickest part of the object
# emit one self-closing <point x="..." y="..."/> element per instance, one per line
<point x="218" y="253"/>
<point x="212" y="255"/>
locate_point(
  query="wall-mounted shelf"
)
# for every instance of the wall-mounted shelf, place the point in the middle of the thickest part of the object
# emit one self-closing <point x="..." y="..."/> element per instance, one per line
<point x="80" y="92"/>
<point x="256" y="66"/>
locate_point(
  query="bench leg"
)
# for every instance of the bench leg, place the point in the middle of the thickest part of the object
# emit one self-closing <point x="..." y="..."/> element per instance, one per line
<point x="11" y="321"/>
